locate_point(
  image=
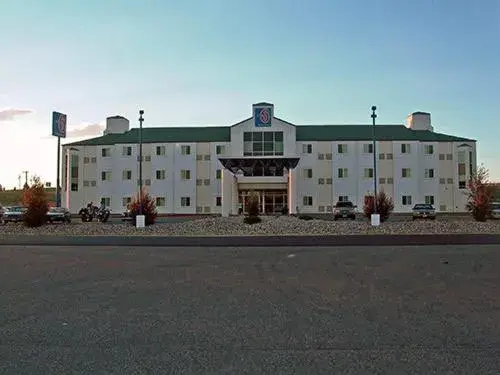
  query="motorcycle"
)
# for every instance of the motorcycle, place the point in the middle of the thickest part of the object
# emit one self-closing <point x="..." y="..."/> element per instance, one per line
<point x="91" y="212"/>
<point x="103" y="214"/>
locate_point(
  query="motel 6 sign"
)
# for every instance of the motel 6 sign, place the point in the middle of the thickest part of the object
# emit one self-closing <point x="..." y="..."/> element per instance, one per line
<point x="58" y="124"/>
<point x="263" y="117"/>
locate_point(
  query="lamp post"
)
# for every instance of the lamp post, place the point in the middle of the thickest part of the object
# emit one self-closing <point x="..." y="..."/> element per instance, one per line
<point x="140" y="222"/>
<point x="374" y="116"/>
<point x="68" y="171"/>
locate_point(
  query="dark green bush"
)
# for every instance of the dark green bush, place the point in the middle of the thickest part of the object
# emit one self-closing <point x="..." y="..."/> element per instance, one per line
<point x="305" y="217"/>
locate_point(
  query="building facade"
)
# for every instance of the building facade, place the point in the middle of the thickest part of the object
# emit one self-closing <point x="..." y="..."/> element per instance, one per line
<point x="304" y="168"/>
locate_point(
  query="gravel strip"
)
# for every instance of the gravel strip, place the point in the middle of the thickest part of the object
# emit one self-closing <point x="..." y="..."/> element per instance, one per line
<point x="234" y="226"/>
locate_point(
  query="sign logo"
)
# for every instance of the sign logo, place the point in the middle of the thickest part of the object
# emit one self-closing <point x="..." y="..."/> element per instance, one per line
<point x="262" y="117"/>
<point x="58" y="124"/>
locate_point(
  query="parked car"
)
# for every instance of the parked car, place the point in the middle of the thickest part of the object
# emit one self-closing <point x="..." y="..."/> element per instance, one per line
<point x="58" y="214"/>
<point x="344" y="210"/>
<point x="13" y="214"/>
<point x="424" y="211"/>
<point x="495" y="210"/>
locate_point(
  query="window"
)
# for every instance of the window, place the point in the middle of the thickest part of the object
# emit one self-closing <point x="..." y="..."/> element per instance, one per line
<point x="86" y="160"/>
<point x="86" y="183"/>
<point x="381" y="156"/>
<point x="263" y="143"/>
<point x="218" y="174"/>
<point x="442" y="207"/>
<point x="342" y="173"/>
<point x="93" y="160"/>
<point x="126" y="175"/>
<point x="368" y="173"/>
<point x="74" y="186"/>
<point x="406" y="200"/>
<point x="461" y="169"/>
<point x="160" y="201"/>
<point x="308" y="201"/>
<point x="106" y="201"/>
<point x="308" y="173"/>
<point x="405" y="148"/>
<point x="93" y="183"/>
<point x="186" y="174"/>
<point x="218" y="201"/>
<point x="328" y="156"/>
<point x="389" y="156"/>
<point x="471" y="167"/>
<point x="329" y="181"/>
<point x="146" y="182"/>
<point x="429" y="199"/>
<point x="343" y="198"/>
<point x="321" y="208"/>
<point x="199" y="157"/>
<point x="219" y="150"/>
<point x="106" y="152"/>
<point x="441" y="156"/>
<point x="429" y="149"/>
<point x="206" y="157"/>
<point x="126" y="201"/>
<point x="321" y="156"/>
<point x="390" y="181"/>
<point x="185" y="201"/>
<point x="307" y="149"/>
<point x="105" y="176"/>
<point x="186" y="150"/>
<point x="449" y="181"/>
<point x="199" y="181"/>
<point x="429" y="173"/>
<point x="321" y="181"/>
<point x="342" y="149"/>
<point x="161" y="150"/>
<point x="206" y="182"/>
<point x="160" y="174"/>
<point x="442" y="181"/>
<point x="449" y="156"/>
<point x="127" y="151"/>
<point x="462" y="185"/>
<point x="368" y="148"/>
<point x="406" y="172"/>
<point x="381" y="180"/>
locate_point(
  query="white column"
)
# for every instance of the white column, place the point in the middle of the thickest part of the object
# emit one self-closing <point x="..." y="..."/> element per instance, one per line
<point x="234" y="196"/>
<point x="292" y="192"/>
<point x="227" y="190"/>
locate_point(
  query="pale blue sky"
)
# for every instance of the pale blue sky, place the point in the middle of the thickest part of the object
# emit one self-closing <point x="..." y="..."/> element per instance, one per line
<point x="205" y="62"/>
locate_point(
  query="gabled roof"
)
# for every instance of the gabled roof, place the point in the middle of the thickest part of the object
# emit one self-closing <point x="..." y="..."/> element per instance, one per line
<point x="303" y="133"/>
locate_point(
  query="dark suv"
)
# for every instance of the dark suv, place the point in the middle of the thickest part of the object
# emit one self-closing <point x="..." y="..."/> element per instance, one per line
<point x="344" y="210"/>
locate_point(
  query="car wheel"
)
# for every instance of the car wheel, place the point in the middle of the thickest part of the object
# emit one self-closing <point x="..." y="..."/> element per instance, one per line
<point x="353" y="218"/>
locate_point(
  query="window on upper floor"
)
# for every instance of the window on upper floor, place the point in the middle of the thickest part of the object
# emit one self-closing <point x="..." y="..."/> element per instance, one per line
<point x="342" y="148"/>
<point x="218" y="174"/>
<point x="127" y="151"/>
<point x="429" y="149"/>
<point x="442" y="156"/>
<point x="220" y="150"/>
<point x="368" y="173"/>
<point x="263" y="143"/>
<point x="461" y="169"/>
<point x="307" y="148"/>
<point x="185" y="174"/>
<point x="106" y="152"/>
<point x="406" y="172"/>
<point x="126" y="175"/>
<point x="161" y="150"/>
<point x="342" y="173"/>
<point x="405" y="148"/>
<point x="160" y="174"/>
<point x="186" y="150"/>
<point x="429" y="173"/>
<point x="105" y="175"/>
<point x="308" y="173"/>
<point x="368" y="148"/>
<point x="343" y="198"/>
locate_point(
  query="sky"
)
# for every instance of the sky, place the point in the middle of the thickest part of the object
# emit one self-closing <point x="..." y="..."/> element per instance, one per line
<point x="205" y="62"/>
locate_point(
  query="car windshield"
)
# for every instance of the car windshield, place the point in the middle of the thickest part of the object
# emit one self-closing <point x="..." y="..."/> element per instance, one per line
<point x="343" y="204"/>
<point x="423" y="207"/>
<point x="495" y="206"/>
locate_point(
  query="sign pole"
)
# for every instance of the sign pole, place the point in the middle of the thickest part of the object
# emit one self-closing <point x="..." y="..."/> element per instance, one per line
<point x="58" y="183"/>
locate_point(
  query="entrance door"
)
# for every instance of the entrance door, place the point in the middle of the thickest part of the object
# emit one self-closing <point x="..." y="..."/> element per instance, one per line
<point x="271" y="202"/>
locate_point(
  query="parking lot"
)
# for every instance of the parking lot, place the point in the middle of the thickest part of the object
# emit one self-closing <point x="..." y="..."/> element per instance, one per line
<point x="124" y="310"/>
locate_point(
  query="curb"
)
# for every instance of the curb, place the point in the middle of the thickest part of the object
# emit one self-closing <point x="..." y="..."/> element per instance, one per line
<point x="254" y="241"/>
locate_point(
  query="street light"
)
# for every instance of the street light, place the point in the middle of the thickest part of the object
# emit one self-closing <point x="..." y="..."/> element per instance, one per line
<point x="374" y="116"/>
<point x="68" y="171"/>
<point x="141" y="119"/>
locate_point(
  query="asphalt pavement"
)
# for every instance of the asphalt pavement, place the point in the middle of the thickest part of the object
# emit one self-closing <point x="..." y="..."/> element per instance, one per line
<point x="294" y="310"/>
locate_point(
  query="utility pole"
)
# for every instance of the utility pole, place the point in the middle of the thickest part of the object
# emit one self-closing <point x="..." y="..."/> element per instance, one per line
<point x="26" y="178"/>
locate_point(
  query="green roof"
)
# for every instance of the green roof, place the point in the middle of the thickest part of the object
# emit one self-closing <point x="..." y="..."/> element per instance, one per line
<point x="303" y="133"/>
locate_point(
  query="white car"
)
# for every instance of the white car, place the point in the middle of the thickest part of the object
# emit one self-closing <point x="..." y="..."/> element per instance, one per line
<point x="495" y="210"/>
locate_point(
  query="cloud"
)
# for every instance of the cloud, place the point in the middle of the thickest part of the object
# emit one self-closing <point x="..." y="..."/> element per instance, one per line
<point x="10" y="114"/>
<point x="86" y="131"/>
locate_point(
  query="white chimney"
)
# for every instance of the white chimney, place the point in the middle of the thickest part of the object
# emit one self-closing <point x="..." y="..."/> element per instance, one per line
<point x="419" y="121"/>
<point x="117" y="125"/>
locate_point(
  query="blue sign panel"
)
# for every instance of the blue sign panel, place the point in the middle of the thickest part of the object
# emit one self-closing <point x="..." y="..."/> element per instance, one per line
<point x="263" y="117"/>
<point x="58" y="124"/>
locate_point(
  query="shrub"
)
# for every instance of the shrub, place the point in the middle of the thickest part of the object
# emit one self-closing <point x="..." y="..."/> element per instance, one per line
<point x="148" y="208"/>
<point x="34" y="198"/>
<point x="305" y="217"/>
<point x="252" y="209"/>
<point x="480" y="195"/>
<point x="385" y="206"/>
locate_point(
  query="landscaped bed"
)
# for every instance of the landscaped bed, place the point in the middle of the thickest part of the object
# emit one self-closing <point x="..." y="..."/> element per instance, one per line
<point x="280" y="225"/>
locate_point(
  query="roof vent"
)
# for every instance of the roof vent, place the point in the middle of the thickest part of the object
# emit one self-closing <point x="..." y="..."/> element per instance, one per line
<point x="117" y="125"/>
<point x="419" y="121"/>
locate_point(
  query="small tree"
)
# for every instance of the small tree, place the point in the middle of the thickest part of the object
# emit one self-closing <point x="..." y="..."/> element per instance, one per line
<point x="385" y="206"/>
<point x="34" y="198"/>
<point x="148" y="208"/>
<point x="252" y="209"/>
<point x="480" y="194"/>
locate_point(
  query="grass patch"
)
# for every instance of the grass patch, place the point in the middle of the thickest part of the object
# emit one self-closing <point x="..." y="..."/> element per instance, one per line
<point x="13" y="197"/>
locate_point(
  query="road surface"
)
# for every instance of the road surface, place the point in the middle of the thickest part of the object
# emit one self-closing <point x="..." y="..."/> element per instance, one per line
<point x="346" y="310"/>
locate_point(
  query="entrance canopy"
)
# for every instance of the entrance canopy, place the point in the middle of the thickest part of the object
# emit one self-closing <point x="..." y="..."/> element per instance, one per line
<point x="248" y="164"/>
